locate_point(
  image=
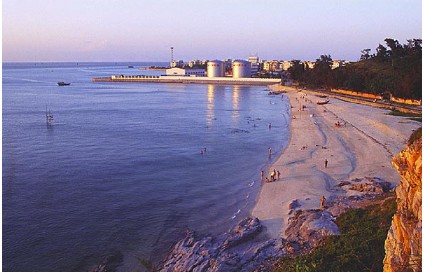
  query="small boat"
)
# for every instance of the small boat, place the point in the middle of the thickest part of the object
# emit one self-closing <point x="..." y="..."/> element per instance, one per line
<point x="49" y="117"/>
<point x="61" y="83"/>
<point x="323" y="102"/>
<point x="130" y="66"/>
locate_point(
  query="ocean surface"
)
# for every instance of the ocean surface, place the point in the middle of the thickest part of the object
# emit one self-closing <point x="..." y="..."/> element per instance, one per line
<point x="120" y="168"/>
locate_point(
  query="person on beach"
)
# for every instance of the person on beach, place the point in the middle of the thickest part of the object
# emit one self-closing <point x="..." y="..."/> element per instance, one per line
<point x="325" y="163"/>
<point x="262" y="175"/>
<point x="266" y="180"/>
<point x="322" y="202"/>
<point x="273" y="175"/>
<point x="270" y="151"/>
<point x="278" y="175"/>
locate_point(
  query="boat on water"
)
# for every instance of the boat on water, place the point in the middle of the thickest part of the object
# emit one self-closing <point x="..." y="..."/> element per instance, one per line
<point x="323" y="102"/>
<point x="49" y="117"/>
<point x="61" y="83"/>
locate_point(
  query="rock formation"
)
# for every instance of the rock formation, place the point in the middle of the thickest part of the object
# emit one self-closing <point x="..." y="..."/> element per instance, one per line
<point x="403" y="243"/>
<point x="237" y="250"/>
<point x="247" y="248"/>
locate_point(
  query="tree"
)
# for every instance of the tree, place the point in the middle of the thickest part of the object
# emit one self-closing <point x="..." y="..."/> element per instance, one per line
<point x="365" y="54"/>
<point x="396" y="49"/>
<point x="382" y="53"/>
<point x="321" y="74"/>
<point x="296" y="70"/>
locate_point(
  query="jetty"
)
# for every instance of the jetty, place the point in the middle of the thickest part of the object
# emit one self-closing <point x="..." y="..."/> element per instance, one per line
<point x="188" y="80"/>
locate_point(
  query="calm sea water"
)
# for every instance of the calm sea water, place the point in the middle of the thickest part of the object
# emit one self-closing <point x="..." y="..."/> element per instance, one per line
<point x="120" y="169"/>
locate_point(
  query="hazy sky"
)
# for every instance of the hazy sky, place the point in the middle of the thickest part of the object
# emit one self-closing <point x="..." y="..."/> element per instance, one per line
<point x="144" y="30"/>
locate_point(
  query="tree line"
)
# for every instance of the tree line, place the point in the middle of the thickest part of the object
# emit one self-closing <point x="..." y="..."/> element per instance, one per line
<point x="395" y="68"/>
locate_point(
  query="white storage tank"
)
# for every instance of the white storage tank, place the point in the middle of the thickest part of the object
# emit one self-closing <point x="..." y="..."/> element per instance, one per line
<point x="241" y="68"/>
<point x="216" y="68"/>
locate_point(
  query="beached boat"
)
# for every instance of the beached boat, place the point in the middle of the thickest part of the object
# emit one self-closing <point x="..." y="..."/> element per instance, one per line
<point x="61" y="83"/>
<point x="323" y="102"/>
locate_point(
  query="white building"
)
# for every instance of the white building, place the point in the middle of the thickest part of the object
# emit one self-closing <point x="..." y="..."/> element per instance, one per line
<point x="185" y="72"/>
<point x="254" y="65"/>
<point x="272" y="66"/>
<point x="337" y="64"/>
<point x="194" y="63"/>
<point x="310" y="64"/>
<point x="285" y="65"/>
<point x="177" y="63"/>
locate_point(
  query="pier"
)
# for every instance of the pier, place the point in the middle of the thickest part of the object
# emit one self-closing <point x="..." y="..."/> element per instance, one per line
<point x="188" y="80"/>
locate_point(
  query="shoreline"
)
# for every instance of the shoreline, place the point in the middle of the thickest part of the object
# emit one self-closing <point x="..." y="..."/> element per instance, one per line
<point x="363" y="146"/>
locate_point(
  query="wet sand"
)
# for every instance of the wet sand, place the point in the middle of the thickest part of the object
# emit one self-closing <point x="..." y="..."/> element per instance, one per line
<point x="363" y="146"/>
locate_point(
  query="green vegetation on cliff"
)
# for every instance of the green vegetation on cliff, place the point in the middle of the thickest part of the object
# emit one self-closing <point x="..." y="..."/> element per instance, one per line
<point x="360" y="247"/>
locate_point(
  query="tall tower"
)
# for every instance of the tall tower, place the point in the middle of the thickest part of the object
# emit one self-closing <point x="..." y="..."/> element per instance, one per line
<point x="172" y="53"/>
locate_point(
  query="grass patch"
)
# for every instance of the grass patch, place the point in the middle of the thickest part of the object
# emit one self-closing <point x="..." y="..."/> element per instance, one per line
<point x="360" y="247"/>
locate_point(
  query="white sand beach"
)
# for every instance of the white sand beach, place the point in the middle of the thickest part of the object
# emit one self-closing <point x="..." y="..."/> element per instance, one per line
<point x="363" y="146"/>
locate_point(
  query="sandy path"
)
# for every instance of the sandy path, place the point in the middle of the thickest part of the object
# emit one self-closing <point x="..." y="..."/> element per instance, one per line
<point x="364" y="147"/>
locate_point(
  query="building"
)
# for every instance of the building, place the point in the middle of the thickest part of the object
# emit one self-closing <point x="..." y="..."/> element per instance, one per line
<point x="309" y="64"/>
<point x="254" y="65"/>
<point x="285" y="65"/>
<point x="194" y="63"/>
<point x="272" y="66"/>
<point x="228" y="65"/>
<point x="177" y="63"/>
<point x="185" y="72"/>
<point x="337" y="64"/>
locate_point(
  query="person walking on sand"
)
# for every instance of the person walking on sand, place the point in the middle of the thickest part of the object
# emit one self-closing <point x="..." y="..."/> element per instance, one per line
<point x="322" y="202"/>
<point x="325" y="163"/>
<point x="278" y="174"/>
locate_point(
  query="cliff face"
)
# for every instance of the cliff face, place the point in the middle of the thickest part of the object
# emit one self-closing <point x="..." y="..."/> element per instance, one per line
<point x="403" y="243"/>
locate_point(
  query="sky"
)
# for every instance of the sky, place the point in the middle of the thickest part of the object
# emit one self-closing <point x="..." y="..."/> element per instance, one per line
<point x="144" y="30"/>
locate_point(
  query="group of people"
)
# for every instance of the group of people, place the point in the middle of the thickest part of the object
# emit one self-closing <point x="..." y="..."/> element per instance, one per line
<point x="274" y="176"/>
<point x="339" y="124"/>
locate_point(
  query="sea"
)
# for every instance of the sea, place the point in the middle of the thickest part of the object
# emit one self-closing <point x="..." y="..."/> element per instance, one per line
<point x="126" y="168"/>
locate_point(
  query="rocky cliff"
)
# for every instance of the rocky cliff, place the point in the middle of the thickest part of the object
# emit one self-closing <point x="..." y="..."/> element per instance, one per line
<point x="403" y="243"/>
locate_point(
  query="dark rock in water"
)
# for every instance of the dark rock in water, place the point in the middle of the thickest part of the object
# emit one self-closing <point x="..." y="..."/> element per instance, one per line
<point x="109" y="264"/>
<point x="236" y="130"/>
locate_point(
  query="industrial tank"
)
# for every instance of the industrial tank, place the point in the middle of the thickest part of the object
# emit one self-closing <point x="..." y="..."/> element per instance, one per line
<point x="216" y="68"/>
<point x="241" y="68"/>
